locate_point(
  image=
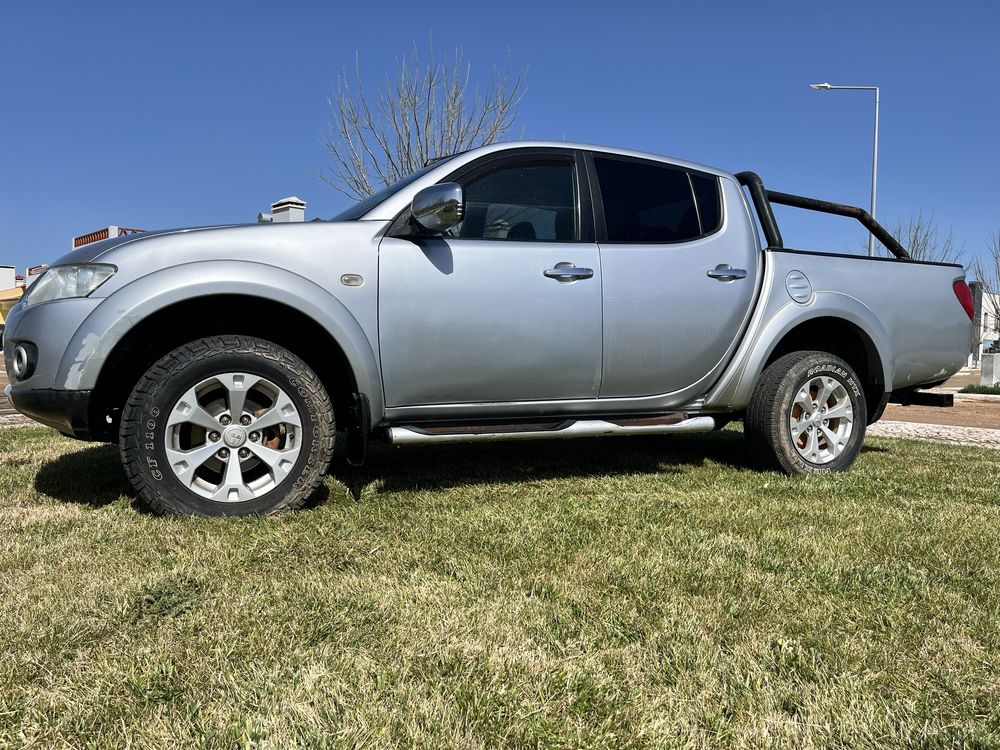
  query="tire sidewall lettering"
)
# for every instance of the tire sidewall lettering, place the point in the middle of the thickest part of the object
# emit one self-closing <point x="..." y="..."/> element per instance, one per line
<point x="148" y="445"/>
<point x="842" y="374"/>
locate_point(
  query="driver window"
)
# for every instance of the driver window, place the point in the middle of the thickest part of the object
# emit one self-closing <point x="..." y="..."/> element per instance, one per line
<point x="531" y="200"/>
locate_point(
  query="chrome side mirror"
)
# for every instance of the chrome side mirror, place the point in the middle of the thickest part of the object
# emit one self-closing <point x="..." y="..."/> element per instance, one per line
<point x="439" y="207"/>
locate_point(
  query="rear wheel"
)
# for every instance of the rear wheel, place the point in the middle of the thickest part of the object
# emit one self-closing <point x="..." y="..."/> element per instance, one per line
<point x="807" y="414"/>
<point x="227" y="426"/>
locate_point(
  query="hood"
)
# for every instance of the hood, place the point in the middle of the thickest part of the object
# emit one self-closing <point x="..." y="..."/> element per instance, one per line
<point x="309" y="246"/>
<point x="92" y="252"/>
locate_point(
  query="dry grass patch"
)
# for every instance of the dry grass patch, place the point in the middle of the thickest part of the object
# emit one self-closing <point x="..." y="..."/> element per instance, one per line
<point x="628" y="592"/>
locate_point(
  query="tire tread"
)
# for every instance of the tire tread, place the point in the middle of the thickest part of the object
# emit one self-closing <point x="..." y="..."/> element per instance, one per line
<point x="190" y="354"/>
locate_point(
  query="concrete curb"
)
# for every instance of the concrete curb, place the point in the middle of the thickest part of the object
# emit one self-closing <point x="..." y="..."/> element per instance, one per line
<point x="977" y="397"/>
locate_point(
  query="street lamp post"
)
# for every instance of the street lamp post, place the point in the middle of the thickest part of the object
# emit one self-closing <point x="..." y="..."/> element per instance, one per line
<point x="828" y="87"/>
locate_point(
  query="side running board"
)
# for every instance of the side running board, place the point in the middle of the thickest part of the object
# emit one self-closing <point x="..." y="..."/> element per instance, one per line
<point x="569" y="428"/>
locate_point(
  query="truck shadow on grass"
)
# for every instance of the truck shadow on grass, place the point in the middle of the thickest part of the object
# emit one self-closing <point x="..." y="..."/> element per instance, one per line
<point x="443" y="467"/>
<point x="94" y="477"/>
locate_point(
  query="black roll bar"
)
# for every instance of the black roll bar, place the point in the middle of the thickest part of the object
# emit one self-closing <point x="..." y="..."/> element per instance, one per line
<point x="763" y="198"/>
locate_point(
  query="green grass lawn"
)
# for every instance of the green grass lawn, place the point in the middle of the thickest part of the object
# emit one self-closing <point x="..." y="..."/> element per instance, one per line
<point x="630" y="592"/>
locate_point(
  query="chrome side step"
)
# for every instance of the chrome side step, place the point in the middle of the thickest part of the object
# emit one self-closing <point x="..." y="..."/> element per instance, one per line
<point x="570" y="428"/>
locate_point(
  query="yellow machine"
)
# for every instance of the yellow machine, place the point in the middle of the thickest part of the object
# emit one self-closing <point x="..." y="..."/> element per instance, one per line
<point x="8" y="298"/>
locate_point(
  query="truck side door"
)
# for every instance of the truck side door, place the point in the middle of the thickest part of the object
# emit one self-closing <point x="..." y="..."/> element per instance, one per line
<point x="507" y="305"/>
<point x="679" y="269"/>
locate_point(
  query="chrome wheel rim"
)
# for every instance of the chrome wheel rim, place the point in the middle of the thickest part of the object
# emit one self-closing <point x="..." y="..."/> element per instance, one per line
<point x="821" y="419"/>
<point x="233" y="437"/>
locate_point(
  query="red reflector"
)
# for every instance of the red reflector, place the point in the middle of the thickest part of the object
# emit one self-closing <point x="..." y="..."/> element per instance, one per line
<point x="964" y="295"/>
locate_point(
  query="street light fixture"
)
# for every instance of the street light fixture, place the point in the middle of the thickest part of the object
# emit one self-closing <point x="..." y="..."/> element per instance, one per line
<point x="829" y="87"/>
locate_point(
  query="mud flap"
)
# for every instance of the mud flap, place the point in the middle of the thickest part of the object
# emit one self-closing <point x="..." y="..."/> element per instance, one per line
<point x="358" y="429"/>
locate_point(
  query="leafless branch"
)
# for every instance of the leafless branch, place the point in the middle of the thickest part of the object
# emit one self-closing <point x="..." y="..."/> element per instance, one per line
<point x="924" y="240"/>
<point x="422" y="112"/>
<point x="986" y="269"/>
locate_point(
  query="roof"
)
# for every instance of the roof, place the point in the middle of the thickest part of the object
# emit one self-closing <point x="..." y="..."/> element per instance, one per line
<point x="289" y="201"/>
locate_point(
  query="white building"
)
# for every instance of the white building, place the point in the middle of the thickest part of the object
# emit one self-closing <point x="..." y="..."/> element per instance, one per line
<point x="291" y="208"/>
<point x="987" y="323"/>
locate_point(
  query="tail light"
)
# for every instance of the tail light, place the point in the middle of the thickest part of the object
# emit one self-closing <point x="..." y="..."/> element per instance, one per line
<point x="964" y="295"/>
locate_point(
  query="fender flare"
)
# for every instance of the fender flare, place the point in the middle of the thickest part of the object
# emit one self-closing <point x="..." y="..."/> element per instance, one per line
<point x="736" y="386"/>
<point x="118" y="313"/>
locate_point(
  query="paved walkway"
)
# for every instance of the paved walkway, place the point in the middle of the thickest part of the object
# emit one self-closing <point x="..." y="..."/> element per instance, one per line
<point x="5" y="407"/>
<point x="8" y="416"/>
<point x="936" y="433"/>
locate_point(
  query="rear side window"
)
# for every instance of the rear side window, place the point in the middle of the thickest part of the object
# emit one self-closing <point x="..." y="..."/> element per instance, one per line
<point x="706" y="192"/>
<point x="647" y="202"/>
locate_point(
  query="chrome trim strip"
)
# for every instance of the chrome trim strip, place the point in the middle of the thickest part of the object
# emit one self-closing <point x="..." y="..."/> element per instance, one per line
<point x="581" y="428"/>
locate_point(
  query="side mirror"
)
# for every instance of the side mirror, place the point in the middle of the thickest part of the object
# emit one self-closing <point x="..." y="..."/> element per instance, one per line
<point x="439" y="207"/>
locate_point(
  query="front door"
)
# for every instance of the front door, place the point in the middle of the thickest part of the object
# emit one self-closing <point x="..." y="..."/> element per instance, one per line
<point x="491" y="312"/>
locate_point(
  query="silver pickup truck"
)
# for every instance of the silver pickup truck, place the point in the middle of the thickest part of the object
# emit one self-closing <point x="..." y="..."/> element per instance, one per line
<point x="516" y="291"/>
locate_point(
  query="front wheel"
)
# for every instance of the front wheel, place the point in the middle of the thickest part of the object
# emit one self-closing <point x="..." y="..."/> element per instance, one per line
<point x="807" y="414"/>
<point x="227" y="426"/>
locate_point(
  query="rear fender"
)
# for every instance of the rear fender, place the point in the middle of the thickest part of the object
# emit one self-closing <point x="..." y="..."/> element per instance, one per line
<point x="735" y="387"/>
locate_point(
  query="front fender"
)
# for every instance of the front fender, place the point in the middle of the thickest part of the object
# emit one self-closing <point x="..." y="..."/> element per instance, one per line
<point x="118" y="313"/>
<point x="736" y="386"/>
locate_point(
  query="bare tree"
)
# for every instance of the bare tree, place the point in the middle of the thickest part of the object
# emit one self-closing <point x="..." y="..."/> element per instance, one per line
<point x="923" y="239"/>
<point x="421" y="113"/>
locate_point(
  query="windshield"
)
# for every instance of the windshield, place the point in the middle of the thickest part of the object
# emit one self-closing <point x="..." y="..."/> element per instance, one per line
<point x="360" y="208"/>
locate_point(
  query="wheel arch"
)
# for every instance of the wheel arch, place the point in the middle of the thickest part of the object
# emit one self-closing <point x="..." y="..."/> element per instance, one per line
<point x="150" y="317"/>
<point x="835" y="323"/>
<point x="843" y="339"/>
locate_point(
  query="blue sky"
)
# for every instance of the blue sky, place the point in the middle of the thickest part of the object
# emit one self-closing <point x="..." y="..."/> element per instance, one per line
<point x="201" y="113"/>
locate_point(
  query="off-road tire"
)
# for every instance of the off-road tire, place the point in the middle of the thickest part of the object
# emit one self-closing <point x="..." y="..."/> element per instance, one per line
<point x="767" y="419"/>
<point x="144" y="418"/>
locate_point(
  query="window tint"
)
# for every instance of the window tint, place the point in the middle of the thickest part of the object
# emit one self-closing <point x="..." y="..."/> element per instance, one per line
<point x="706" y="190"/>
<point x="646" y="202"/>
<point x="530" y="200"/>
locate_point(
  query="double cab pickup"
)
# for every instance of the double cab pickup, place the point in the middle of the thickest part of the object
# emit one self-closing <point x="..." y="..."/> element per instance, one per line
<point x="517" y="291"/>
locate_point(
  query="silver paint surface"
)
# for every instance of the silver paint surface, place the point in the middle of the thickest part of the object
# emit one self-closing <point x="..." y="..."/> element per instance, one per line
<point x="473" y="329"/>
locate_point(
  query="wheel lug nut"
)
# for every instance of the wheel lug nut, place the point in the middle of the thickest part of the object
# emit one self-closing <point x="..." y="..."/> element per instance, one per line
<point x="225" y="419"/>
<point x="223" y="453"/>
<point x="254" y="436"/>
<point x="214" y="436"/>
<point x="244" y="453"/>
<point x="245" y="420"/>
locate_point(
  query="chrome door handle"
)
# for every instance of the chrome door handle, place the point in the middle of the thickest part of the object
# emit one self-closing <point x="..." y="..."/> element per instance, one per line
<point x="725" y="272"/>
<point x="568" y="272"/>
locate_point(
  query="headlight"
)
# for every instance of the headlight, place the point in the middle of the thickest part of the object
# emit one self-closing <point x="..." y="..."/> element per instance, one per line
<point x="64" y="282"/>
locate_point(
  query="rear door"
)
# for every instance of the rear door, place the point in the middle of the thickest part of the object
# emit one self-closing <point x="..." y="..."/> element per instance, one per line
<point x="491" y="312"/>
<point x="679" y="273"/>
